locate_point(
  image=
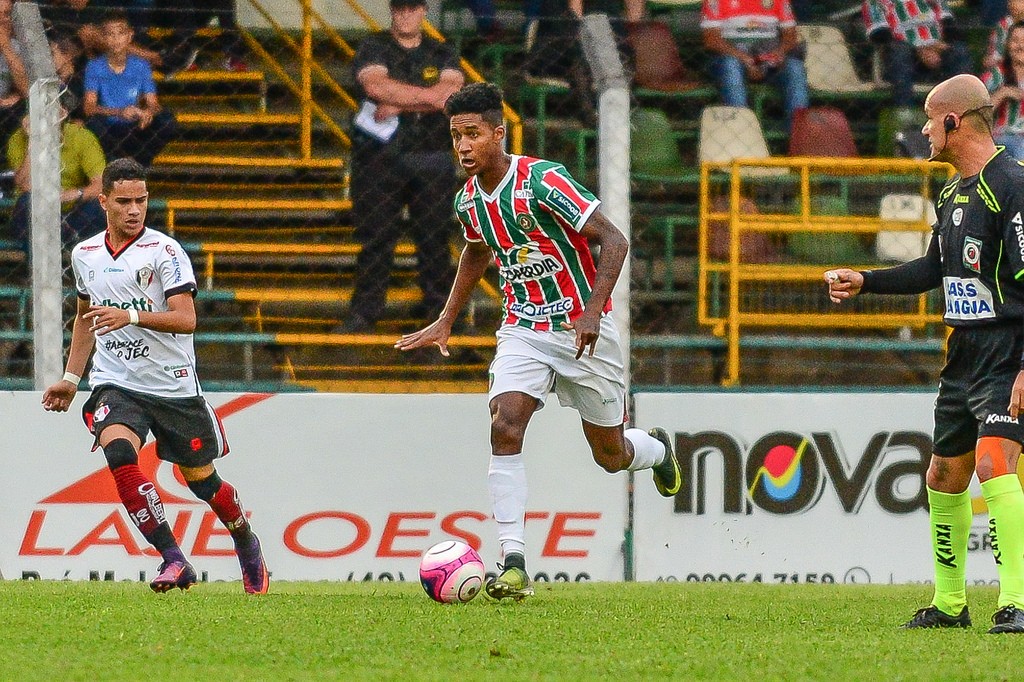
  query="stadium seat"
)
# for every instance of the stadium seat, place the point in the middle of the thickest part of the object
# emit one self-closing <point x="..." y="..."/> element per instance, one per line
<point x="899" y="133"/>
<point x="821" y="131"/>
<point x="727" y="133"/>
<point x="658" y="67"/>
<point x="653" y="148"/>
<point x="900" y="245"/>
<point x="843" y="248"/>
<point x="830" y="69"/>
<point x="755" y="246"/>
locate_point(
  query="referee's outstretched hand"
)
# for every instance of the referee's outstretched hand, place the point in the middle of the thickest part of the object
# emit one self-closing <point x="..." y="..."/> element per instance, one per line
<point x="843" y="283"/>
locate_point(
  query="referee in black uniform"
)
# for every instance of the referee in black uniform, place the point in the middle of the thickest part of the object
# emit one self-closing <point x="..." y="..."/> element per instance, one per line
<point x="402" y="157"/>
<point x="977" y="256"/>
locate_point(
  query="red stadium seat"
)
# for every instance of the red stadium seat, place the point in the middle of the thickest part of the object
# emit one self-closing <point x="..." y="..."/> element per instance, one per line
<point x="821" y="131"/>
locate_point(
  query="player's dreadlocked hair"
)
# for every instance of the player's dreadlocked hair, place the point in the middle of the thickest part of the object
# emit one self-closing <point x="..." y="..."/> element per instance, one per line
<point x="477" y="98"/>
<point x="122" y="169"/>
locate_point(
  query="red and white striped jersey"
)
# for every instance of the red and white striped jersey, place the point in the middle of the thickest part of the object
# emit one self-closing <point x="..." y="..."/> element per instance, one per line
<point x="532" y="221"/>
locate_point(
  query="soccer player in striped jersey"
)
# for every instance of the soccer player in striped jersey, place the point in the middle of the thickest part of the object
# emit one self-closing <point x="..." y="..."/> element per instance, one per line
<point x="136" y="310"/>
<point x="537" y="224"/>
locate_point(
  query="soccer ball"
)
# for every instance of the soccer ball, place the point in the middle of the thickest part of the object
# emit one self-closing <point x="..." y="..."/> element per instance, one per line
<point x="451" y="571"/>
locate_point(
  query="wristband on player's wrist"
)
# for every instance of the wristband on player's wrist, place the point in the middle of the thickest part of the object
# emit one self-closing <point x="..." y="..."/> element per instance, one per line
<point x="72" y="378"/>
<point x="133" y="317"/>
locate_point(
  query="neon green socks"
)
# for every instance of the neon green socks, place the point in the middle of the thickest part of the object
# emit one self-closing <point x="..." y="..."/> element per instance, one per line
<point x="1006" y="527"/>
<point x="950" y="517"/>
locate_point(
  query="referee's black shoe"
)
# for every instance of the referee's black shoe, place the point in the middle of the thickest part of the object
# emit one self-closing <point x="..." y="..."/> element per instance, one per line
<point x="1007" y="619"/>
<point x="932" y="617"/>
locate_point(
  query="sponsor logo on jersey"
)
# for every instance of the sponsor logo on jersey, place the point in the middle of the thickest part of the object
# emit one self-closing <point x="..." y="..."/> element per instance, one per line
<point x="972" y="254"/>
<point x="466" y="204"/>
<point x="1000" y="419"/>
<point x="961" y="199"/>
<point x="170" y="250"/>
<point x="529" y="265"/>
<point x="1018" y="231"/>
<point x="90" y="248"/>
<point x="541" y="311"/>
<point x="967" y="299"/>
<point x="566" y="206"/>
<point x="525" y="193"/>
<point x="101" y="413"/>
<point x="180" y="373"/>
<point x="431" y="74"/>
<point x="92" y="275"/>
<point x="113" y="270"/>
<point x="958" y="216"/>
<point x="144" y="276"/>
<point x="147" y="245"/>
<point x="137" y="303"/>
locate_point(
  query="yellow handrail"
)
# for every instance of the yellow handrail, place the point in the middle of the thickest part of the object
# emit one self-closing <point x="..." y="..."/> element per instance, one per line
<point x="741" y="311"/>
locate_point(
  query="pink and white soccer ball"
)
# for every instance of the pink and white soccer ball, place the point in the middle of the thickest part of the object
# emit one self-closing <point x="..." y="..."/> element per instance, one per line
<point x="451" y="571"/>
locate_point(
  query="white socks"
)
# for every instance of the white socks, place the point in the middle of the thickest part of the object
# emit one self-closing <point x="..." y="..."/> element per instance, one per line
<point x="648" y="451"/>
<point x="506" y="480"/>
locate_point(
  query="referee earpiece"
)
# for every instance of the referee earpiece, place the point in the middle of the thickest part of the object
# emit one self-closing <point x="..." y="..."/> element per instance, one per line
<point x="949" y="123"/>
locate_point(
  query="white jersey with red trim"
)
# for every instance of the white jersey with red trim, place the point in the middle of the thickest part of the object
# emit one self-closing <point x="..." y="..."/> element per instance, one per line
<point x="532" y="221"/>
<point x="142" y="275"/>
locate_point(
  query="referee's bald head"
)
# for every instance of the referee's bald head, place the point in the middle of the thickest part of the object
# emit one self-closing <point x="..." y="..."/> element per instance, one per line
<point x="962" y="95"/>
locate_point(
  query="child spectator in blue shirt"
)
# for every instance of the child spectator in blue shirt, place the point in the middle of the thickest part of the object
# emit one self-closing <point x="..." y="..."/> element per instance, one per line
<point x="120" y="98"/>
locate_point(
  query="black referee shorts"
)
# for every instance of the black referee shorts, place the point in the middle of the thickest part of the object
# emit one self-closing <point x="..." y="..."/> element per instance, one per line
<point x="974" y="387"/>
<point x="187" y="430"/>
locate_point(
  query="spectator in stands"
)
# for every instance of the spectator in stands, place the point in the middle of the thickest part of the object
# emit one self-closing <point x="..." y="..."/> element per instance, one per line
<point x="120" y="98"/>
<point x="83" y="19"/>
<point x="997" y="40"/>
<point x="66" y="54"/>
<point x="1005" y="83"/>
<point x="401" y="159"/>
<point x="81" y="171"/>
<point x="917" y="37"/>
<point x="187" y="17"/>
<point x="13" y="79"/>
<point x="755" y="40"/>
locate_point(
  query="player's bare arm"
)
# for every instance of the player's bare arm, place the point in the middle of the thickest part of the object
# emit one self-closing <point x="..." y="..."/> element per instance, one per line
<point x="614" y="247"/>
<point x="475" y="258"/>
<point x="843" y="283"/>
<point x="179" y="319"/>
<point x="58" y="397"/>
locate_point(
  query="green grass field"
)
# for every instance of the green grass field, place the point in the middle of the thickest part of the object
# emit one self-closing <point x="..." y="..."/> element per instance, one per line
<point x="121" y="631"/>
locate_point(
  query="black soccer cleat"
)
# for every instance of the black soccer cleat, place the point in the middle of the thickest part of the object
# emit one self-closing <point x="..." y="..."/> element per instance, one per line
<point x="1007" y="619"/>
<point x="932" y="617"/>
<point x="668" y="479"/>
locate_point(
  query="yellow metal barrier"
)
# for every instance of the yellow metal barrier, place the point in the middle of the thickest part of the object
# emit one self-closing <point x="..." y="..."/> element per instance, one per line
<point x="795" y="184"/>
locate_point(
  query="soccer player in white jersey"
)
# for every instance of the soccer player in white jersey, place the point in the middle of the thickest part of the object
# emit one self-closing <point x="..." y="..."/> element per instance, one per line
<point x="136" y="309"/>
<point x="537" y="223"/>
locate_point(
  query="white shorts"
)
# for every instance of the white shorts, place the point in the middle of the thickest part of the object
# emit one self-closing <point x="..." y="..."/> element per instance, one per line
<point x="532" y="362"/>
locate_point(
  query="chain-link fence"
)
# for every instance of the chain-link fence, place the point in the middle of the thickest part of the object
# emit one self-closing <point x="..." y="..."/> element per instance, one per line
<point x="255" y="178"/>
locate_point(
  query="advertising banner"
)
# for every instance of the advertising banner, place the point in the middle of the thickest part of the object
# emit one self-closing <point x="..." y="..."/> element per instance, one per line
<point x="796" y="488"/>
<point x="339" y="487"/>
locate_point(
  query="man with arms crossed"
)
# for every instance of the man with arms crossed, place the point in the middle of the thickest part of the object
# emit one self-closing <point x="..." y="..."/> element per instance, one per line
<point x="977" y="256"/>
<point x="537" y="223"/>
<point x="136" y="308"/>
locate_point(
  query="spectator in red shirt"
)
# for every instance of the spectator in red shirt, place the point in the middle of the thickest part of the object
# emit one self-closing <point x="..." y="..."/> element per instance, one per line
<point x="755" y="40"/>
